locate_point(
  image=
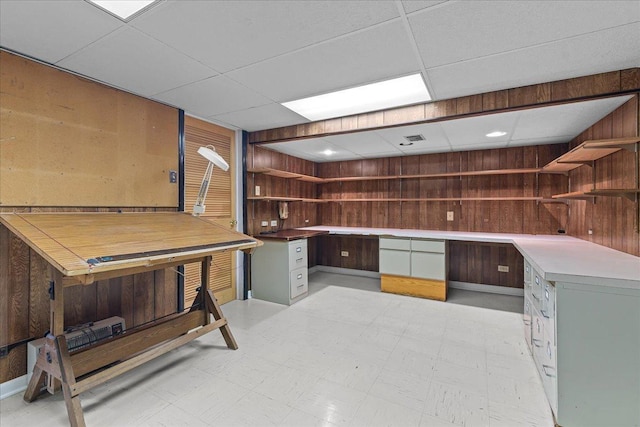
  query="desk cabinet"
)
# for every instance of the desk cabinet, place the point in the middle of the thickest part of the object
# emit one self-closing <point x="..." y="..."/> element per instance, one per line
<point x="586" y="348"/>
<point x="415" y="267"/>
<point x="279" y="271"/>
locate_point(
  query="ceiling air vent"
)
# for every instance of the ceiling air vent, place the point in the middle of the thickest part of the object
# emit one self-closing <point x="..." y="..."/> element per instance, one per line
<point x="414" y="138"/>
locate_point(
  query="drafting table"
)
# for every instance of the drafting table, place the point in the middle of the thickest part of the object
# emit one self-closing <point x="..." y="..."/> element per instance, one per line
<point x="82" y="248"/>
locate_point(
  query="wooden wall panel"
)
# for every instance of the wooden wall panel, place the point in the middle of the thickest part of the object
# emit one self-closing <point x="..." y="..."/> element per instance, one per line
<point x="301" y="214"/>
<point x="475" y="262"/>
<point x="68" y="141"/>
<point x="363" y="252"/>
<point x="612" y="220"/>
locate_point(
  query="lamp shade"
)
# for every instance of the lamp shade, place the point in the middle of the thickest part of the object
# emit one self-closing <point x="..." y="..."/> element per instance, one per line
<point x="213" y="157"/>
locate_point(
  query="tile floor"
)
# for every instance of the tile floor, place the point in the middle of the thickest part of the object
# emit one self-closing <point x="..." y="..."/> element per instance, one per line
<point x="341" y="357"/>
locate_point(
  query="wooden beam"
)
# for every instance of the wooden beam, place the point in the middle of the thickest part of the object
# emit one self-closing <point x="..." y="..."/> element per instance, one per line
<point x="526" y="97"/>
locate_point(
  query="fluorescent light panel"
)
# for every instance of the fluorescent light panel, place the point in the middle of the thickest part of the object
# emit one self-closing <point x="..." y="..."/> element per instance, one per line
<point x="123" y="9"/>
<point x="371" y="97"/>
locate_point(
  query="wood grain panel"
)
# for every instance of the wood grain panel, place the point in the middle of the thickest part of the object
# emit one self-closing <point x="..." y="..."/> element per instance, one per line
<point x="68" y="141"/>
<point x="586" y="86"/>
<point x="612" y="220"/>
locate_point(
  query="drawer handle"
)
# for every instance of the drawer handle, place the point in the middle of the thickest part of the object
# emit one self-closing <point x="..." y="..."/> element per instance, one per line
<point x="535" y="341"/>
<point x="535" y="297"/>
<point x="299" y="249"/>
<point x="544" y="313"/>
<point x="299" y="259"/>
<point x="527" y="322"/>
<point x="300" y="276"/>
<point x="299" y="286"/>
<point x="544" y="369"/>
<point x="537" y="280"/>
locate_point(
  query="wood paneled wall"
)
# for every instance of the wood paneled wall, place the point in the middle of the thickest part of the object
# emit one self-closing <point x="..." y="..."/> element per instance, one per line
<point x="91" y="123"/>
<point x="476" y="262"/>
<point x="301" y="214"/>
<point x="529" y="217"/>
<point x="613" y="220"/>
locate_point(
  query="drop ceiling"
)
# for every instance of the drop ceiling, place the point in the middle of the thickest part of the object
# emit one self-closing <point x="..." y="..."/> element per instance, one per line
<point x="544" y="125"/>
<point x="233" y="62"/>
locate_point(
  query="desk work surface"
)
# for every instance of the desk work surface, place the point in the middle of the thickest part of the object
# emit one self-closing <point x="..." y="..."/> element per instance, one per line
<point x="559" y="258"/>
<point x="88" y="243"/>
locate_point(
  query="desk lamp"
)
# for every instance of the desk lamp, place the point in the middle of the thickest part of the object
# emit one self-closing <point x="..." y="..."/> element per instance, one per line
<point x="215" y="159"/>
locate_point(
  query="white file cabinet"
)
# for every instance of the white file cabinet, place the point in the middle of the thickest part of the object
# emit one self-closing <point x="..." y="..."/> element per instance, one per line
<point x="279" y="271"/>
<point x="586" y="347"/>
<point x="413" y="266"/>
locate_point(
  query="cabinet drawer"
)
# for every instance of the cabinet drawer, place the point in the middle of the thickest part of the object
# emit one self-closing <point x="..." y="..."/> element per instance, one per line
<point x="395" y="262"/>
<point x="526" y="318"/>
<point x="298" y="282"/>
<point x="537" y="286"/>
<point x="527" y="272"/>
<point x="427" y="265"/>
<point x="297" y="254"/>
<point x="395" y="243"/>
<point x="420" y="245"/>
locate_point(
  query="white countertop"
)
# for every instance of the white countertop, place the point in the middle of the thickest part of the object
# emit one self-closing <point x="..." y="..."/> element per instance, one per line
<point x="557" y="258"/>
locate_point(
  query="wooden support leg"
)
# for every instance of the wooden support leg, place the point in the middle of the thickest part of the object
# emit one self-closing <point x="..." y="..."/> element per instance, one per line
<point x="74" y="410"/>
<point x="214" y="308"/>
<point x="35" y="384"/>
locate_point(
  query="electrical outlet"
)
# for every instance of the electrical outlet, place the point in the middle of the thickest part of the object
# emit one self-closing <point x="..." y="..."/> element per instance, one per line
<point x="590" y="231"/>
<point x="503" y="268"/>
<point x="173" y="177"/>
<point x="264" y="223"/>
<point x="344" y="253"/>
<point x="449" y="215"/>
<point x="274" y="222"/>
<point x="257" y="190"/>
<point x="306" y="221"/>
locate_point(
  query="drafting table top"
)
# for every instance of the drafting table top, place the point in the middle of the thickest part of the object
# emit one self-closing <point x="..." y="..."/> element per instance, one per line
<point x="89" y="243"/>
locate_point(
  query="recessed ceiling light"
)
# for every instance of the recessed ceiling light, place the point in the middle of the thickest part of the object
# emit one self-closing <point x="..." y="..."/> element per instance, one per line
<point x="123" y="9"/>
<point x="328" y="152"/>
<point x="376" y="96"/>
<point x="496" y="134"/>
<point x="406" y="143"/>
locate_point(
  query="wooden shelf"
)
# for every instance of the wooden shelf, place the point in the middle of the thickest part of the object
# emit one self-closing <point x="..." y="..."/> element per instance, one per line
<point x="438" y="199"/>
<point x="436" y="175"/>
<point x="587" y="152"/>
<point x="574" y="195"/>
<point x="318" y="180"/>
<point x="284" y="174"/>
<point x="629" y="193"/>
<point x="285" y="199"/>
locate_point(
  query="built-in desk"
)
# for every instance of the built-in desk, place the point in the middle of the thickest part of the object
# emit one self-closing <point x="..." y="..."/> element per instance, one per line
<point x="581" y="320"/>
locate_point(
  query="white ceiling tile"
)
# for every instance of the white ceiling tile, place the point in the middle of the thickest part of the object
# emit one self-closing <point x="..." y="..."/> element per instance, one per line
<point x="411" y="6"/>
<point x="230" y="34"/>
<point x="362" y="143"/>
<point x="432" y="132"/>
<point x="52" y="30"/>
<point x="590" y="54"/>
<point x="263" y="117"/>
<point x="473" y="130"/>
<point x="364" y="57"/>
<point x="484" y="146"/>
<point x="567" y="119"/>
<point x="460" y="31"/>
<point x="133" y="61"/>
<point x="213" y="96"/>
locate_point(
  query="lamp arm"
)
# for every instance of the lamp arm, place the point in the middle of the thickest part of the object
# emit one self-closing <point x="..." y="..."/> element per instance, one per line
<point x="199" y="207"/>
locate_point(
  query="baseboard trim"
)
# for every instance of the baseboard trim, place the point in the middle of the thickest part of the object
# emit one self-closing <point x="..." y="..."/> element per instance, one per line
<point x="491" y="289"/>
<point x="13" y="386"/>
<point x="347" y="271"/>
